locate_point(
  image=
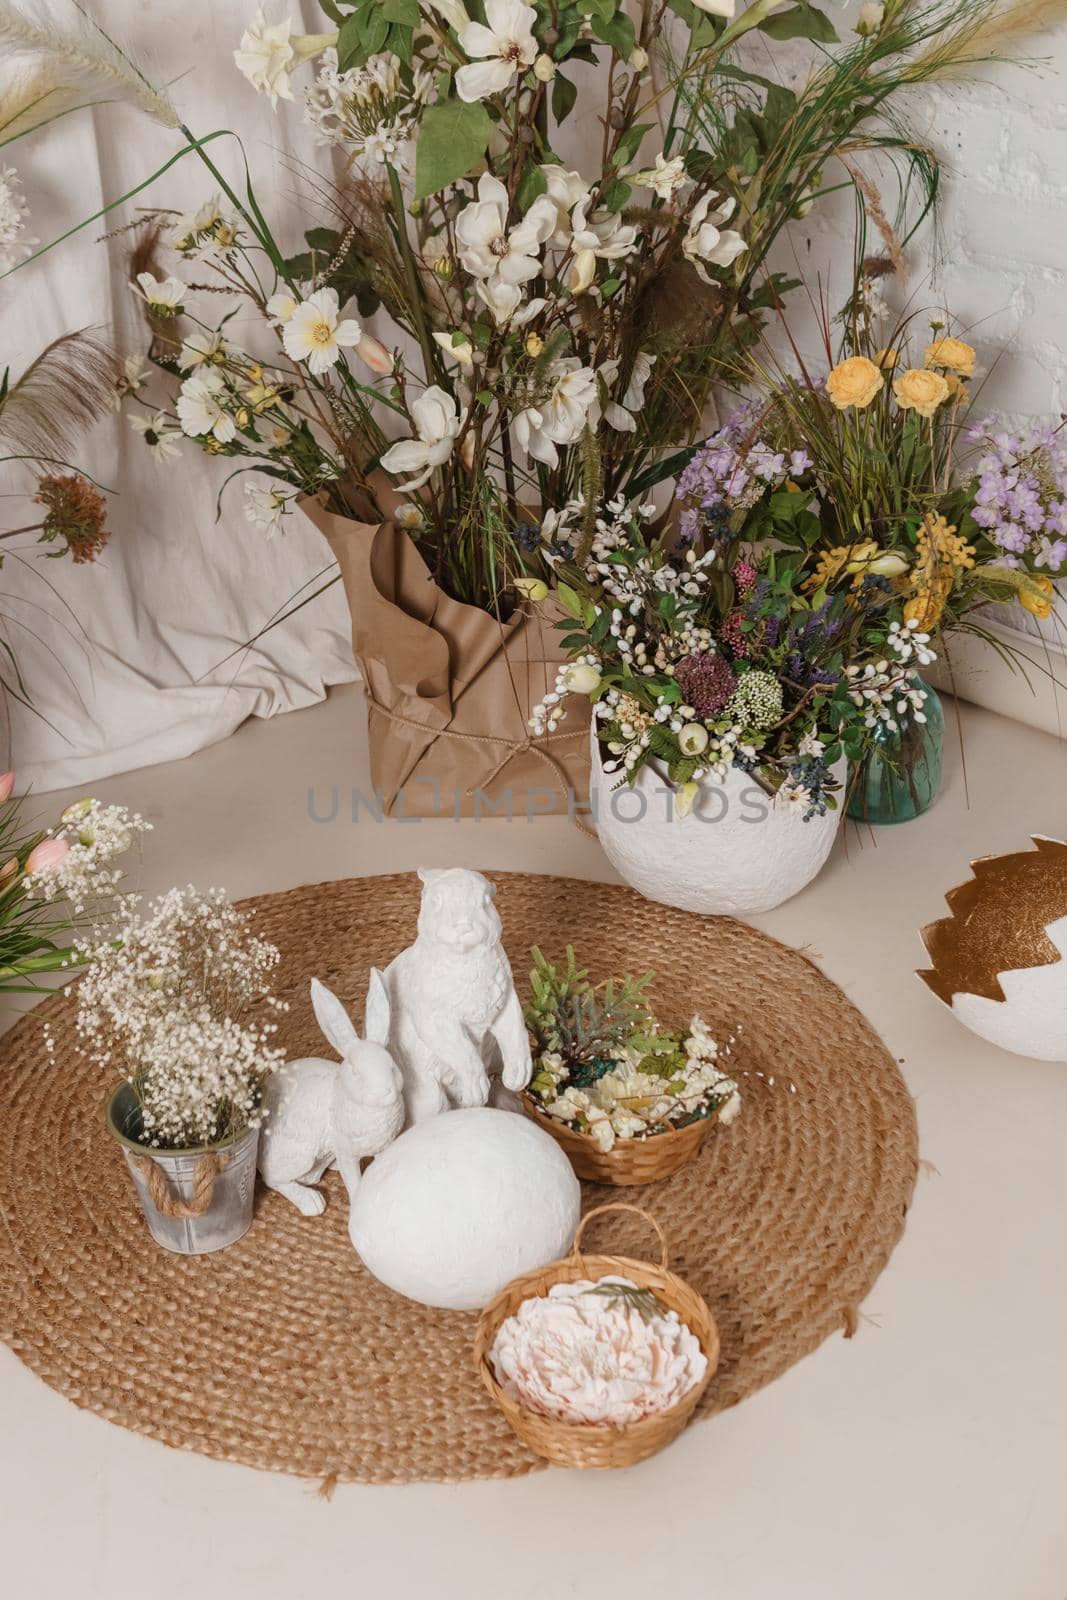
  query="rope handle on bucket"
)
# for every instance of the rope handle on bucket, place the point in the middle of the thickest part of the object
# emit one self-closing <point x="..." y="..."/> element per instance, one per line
<point x="621" y="1205"/>
<point x="205" y="1172"/>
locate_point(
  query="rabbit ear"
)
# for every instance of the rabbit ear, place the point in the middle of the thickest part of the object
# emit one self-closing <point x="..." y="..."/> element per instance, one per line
<point x="377" y="1015"/>
<point x="332" y="1017"/>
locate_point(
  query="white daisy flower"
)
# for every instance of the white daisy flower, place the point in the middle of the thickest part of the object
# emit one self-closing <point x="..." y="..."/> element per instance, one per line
<point x="204" y="347"/>
<point x="133" y="375"/>
<point x="315" y="334"/>
<point x="165" y="296"/>
<point x="160" y="435"/>
<point x="266" y="506"/>
<point x="202" y="407"/>
<point x="281" y="306"/>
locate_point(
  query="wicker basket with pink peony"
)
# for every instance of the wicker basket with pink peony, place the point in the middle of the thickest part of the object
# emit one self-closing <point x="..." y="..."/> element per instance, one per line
<point x="598" y="1361"/>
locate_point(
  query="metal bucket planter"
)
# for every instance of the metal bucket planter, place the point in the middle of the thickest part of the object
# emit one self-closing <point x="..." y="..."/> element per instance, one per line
<point x="194" y="1201"/>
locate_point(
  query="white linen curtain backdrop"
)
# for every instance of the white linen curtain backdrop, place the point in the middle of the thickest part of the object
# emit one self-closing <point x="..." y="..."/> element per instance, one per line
<point x="176" y="593"/>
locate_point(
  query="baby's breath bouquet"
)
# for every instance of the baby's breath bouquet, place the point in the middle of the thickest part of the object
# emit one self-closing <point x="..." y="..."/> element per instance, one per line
<point x="179" y="1003"/>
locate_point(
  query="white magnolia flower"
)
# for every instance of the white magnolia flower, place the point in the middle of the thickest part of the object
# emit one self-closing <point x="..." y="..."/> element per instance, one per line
<point x="505" y="47"/>
<point x="281" y="306"/>
<point x="870" y="19"/>
<point x="268" y="51"/>
<point x="602" y="237"/>
<point x="620" y="414"/>
<point x="561" y="417"/>
<point x="437" y="424"/>
<point x="706" y="242"/>
<point x="204" y="347"/>
<point x="505" y="303"/>
<point x="15" y="242"/>
<point x="488" y="248"/>
<point x="663" y="177"/>
<point x="160" y="435"/>
<point x="566" y="190"/>
<point x="266" y="506"/>
<point x="165" y="298"/>
<point x="717" y="8"/>
<point x="202" y="407"/>
<point x="454" y="13"/>
<point x="315" y="334"/>
<point x="460" y="350"/>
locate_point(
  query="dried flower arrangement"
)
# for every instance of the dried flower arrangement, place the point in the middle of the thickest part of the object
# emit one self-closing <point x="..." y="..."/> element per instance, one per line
<point x="604" y="1066"/>
<point x="57" y="883"/>
<point x="167" y="1003"/>
<point x="725" y="650"/>
<point x="604" y="1353"/>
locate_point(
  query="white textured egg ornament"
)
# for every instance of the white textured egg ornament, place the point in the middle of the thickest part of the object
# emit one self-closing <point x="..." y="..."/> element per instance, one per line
<point x="460" y="1205"/>
<point x="1000" y="960"/>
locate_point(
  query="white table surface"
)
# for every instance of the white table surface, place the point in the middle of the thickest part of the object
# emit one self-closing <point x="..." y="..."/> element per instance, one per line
<point x="924" y="1460"/>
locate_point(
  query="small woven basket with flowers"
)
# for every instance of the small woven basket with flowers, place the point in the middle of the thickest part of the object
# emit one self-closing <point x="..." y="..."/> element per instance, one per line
<point x="627" y="1100"/>
<point x="655" y="1345"/>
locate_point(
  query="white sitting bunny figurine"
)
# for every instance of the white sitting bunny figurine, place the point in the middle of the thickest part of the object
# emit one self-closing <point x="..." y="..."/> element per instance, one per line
<point x="456" y="1020"/>
<point x="327" y="1114"/>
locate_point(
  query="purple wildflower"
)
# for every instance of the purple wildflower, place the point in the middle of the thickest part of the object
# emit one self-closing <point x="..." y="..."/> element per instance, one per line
<point x="707" y="681"/>
<point x="1020" y="493"/>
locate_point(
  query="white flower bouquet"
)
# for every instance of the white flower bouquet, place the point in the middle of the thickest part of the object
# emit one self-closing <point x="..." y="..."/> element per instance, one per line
<point x="169" y="1005"/>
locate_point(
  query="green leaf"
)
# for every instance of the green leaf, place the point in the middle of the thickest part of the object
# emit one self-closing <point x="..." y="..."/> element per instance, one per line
<point x="630" y="143"/>
<point x="452" y="140"/>
<point x="615" y="195"/>
<point x="618" y="31"/>
<point x="404" y="11"/>
<point x="332" y="11"/>
<point x="569" y="601"/>
<point x="802" y="22"/>
<point x="349" y="41"/>
<point x="564" y="94"/>
<point x="532" y="184"/>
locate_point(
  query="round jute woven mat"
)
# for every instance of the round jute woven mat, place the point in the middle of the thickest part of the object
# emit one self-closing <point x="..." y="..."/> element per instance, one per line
<point x="283" y="1353"/>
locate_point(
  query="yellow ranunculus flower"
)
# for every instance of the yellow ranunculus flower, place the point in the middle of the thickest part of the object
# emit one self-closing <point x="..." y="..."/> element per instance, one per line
<point x="887" y="358"/>
<point x="920" y="390"/>
<point x="1038" y="605"/>
<point x="952" y="354"/>
<point x="854" y="382"/>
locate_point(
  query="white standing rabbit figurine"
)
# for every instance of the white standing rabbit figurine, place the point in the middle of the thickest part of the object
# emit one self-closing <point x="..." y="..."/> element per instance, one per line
<point x="457" y="1030"/>
<point x="327" y="1114"/>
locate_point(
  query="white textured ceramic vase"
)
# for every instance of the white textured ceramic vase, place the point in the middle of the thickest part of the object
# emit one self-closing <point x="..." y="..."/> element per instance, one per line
<point x="735" y="854"/>
<point x="462" y="1203"/>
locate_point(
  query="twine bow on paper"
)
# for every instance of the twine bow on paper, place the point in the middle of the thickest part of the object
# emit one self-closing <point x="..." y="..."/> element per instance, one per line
<point x="510" y="747"/>
<point x="205" y="1172"/>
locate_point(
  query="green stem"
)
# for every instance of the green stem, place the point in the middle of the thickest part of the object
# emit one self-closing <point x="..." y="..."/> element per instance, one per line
<point x="411" y="274"/>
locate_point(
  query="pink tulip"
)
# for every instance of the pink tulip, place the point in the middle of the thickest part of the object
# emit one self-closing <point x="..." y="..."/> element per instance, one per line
<point x="47" y="856"/>
<point x="7" y="786"/>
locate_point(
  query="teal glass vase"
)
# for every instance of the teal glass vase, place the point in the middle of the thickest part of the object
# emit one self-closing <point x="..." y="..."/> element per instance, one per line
<point x="900" y="777"/>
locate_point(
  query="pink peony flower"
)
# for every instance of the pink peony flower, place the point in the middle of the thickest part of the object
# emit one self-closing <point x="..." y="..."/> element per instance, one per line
<point x="584" y="1356"/>
<point x="7" y="786"/>
<point x="47" y="856"/>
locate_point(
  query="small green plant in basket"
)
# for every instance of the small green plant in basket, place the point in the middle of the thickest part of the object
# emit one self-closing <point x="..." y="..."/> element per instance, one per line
<point x="605" y="1066"/>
